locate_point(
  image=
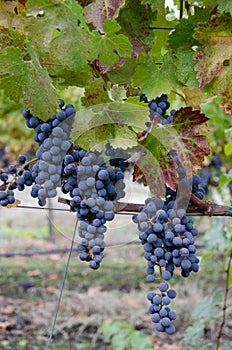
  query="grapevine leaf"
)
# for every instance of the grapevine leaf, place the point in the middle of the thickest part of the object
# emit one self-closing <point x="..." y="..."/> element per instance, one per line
<point x="109" y="46"/>
<point x="228" y="148"/>
<point x="137" y="28"/>
<point x="117" y="93"/>
<point x="18" y="77"/>
<point x="189" y="125"/>
<point x="153" y="81"/>
<point x="102" y="122"/>
<point x="225" y="6"/>
<point x="95" y="94"/>
<point x="122" y="75"/>
<point x="160" y="35"/>
<point x="184" y="64"/>
<point x="194" y="333"/>
<point x="8" y="14"/>
<point x="182" y="36"/>
<point x="207" y="309"/>
<point x="156" y="168"/>
<point x="9" y="37"/>
<point x="68" y="62"/>
<point x="216" y="38"/>
<point x="99" y="11"/>
<point x="183" y="136"/>
<point x="194" y="97"/>
<point x="57" y="15"/>
<point x="215" y="59"/>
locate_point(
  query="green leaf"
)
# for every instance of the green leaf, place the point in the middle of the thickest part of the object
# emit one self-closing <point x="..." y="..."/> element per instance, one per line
<point x="228" y="148"/>
<point x="123" y="75"/>
<point x="152" y="80"/>
<point x="68" y="63"/>
<point x="182" y="36"/>
<point x="216" y="231"/>
<point x="225" y="6"/>
<point x="136" y="20"/>
<point x="207" y="309"/>
<point x="140" y="341"/>
<point x="99" y="11"/>
<point x="194" y="333"/>
<point x="227" y="346"/>
<point x="11" y="37"/>
<point x="225" y="179"/>
<point x="160" y="35"/>
<point x="109" y="46"/>
<point x="27" y="80"/>
<point x="184" y="64"/>
<point x="117" y="93"/>
<point x="58" y="15"/>
<point x="110" y="121"/>
<point x="95" y="94"/>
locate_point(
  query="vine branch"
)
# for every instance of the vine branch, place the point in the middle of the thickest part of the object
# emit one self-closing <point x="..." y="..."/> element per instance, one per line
<point x="197" y="206"/>
<point x="224" y="301"/>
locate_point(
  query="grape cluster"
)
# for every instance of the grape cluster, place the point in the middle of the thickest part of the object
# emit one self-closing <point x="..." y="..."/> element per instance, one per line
<point x="93" y="187"/>
<point x="209" y="174"/>
<point x="53" y="139"/>
<point x="6" y="197"/>
<point x="16" y="176"/>
<point x="161" y="314"/>
<point x="216" y="162"/>
<point x="167" y="236"/>
<point x="118" y="157"/>
<point x="157" y="112"/>
<point x="194" y="184"/>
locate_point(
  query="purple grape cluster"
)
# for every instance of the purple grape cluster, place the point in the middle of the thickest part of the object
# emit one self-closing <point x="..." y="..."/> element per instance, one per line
<point x="157" y="110"/>
<point x="117" y="157"/>
<point x="53" y="139"/>
<point x="161" y="313"/>
<point x="93" y="186"/>
<point x="167" y="236"/>
<point x="194" y="184"/>
<point x="15" y="176"/>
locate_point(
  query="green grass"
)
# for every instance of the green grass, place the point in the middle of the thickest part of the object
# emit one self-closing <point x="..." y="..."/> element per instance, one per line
<point x="23" y="344"/>
<point x="45" y="273"/>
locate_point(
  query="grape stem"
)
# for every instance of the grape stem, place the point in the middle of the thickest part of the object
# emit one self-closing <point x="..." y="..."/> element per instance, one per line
<point x="5" y="187"/>
<point x="224" y="301"/>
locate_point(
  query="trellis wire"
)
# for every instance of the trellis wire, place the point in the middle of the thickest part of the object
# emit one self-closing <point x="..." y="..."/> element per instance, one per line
<point x="63" y="250"/>
<point x="117" y="213"/>
<point x="66" y="250"/>
<point x="62" y="288"/>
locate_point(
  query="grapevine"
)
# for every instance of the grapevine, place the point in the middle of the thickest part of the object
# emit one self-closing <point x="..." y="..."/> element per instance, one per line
<point x="150" y="96"/>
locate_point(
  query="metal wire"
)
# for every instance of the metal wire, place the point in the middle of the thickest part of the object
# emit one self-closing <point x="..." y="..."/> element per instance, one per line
<point x="62" y="288"/>
<point x="70" y="211"/>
